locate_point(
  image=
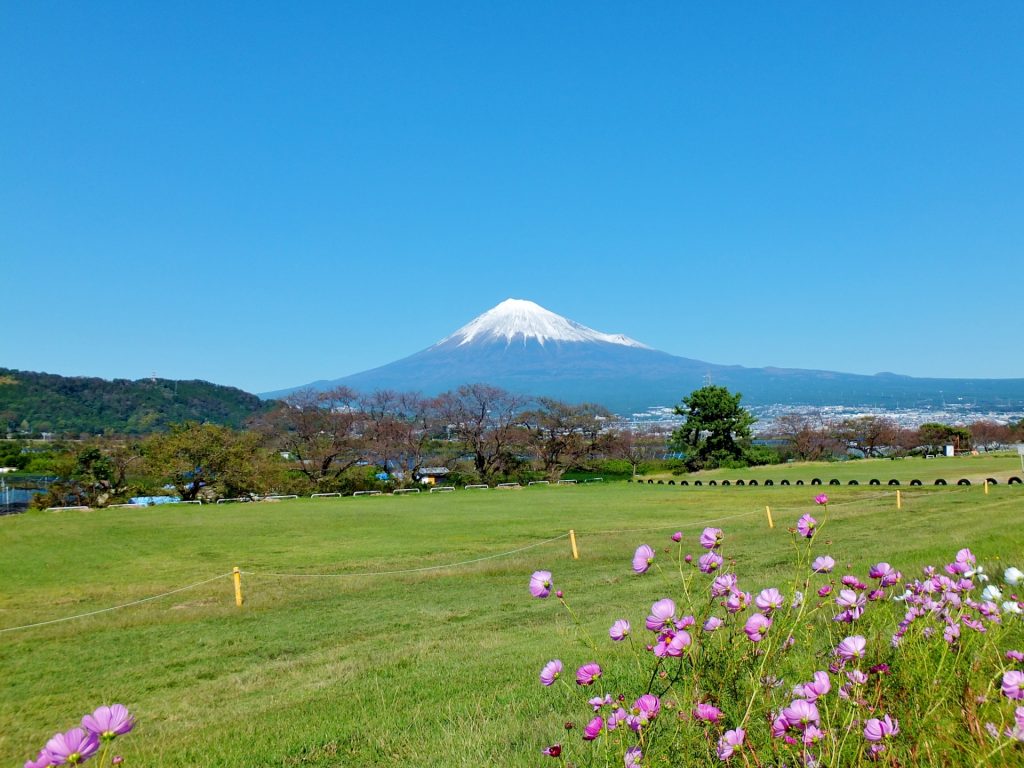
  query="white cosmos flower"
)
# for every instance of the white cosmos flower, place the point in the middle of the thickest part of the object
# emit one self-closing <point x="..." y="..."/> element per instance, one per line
<point x="1011" y="606"/>
<point x="991" y="592"/>
<point x="1013" y="576"/>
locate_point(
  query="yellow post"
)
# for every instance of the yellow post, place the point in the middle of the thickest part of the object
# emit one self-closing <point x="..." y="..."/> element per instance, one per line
<point x="237" y="575"/>
<point x="572" y="540"/>
<point x="986" y="487"/>
<point x="899" y="500"/>
<point x="768" y="511"/>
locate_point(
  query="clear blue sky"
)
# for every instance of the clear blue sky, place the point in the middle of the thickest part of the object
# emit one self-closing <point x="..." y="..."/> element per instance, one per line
<point x="266" y="194"/>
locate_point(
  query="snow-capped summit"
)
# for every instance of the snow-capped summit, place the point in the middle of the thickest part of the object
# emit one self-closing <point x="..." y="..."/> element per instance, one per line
<point x="519" y="321"/>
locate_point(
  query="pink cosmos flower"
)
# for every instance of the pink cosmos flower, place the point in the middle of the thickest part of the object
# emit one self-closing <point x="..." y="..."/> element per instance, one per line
<point x="540" y="584"/>
<point x="885" y="572"/>
<point x="677" y="536"/>
<point x="43" y="760"/>
<point x="876" y="730"/>
<point x="620" y="629"/>
<point x="663" y="614"/>
<point x="109" y="722"/>
<point x="737" y="601"/>
<point x="711" y="538"/>
<point x="1015" y="655"/>
<point x="600" y="701"/>
<point x="825" y="591"/>
<point x="588" y="673"/>
<point x="642" y="558"/>
<point x="779" y="727"/>
<point x="707" y="713"/>
<point x="850" y="580"/>
<point x="851" y="648"/>
<point x="550" y="672"/>
<point x="821" y="498"/>
<point x="633" y="758"/>
<point x="712" y="624"/>
<point x="679" y="643"/>
<point x="805" y="526"/>
<point x="723" y="584"/>
<point x="769" y="599"/>
<point x="823" y="564"/>
<point x="553" y="751"/>
<point x="801" y="713"/>
<point x="593" y="729"/>
<point x="710" y="562"/>
<point x="730" y="742"/>
<point x="812" y="735"/>
<point x="756" y="627"/>
<point x="1011" y="687"/>
<point x="819" y="686"/>
<point x="648" y="705"/>
<point x="72" y="748"/>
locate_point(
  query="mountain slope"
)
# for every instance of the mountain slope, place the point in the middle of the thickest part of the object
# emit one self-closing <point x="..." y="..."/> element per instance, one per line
<point x="44" y="402"/>
<point x="525" y="348"/>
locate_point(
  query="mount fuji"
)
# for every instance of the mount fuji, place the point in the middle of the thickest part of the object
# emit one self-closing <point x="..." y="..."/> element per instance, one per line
<point x="523" y="347"/>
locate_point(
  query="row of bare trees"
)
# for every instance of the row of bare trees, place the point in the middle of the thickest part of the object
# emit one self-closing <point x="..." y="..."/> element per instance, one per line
<point x="496" y="431"/>
<point x="812" y="437"/>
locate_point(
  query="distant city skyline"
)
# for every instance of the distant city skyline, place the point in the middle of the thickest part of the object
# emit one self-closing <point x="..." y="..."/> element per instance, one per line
<point x="263" y="197"/>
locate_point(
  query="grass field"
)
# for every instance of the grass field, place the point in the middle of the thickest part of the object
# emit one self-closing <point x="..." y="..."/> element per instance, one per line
<point x="334" y="667"/>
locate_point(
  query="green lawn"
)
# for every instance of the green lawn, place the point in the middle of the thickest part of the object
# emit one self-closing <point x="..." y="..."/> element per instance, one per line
<point x="433" y="668"/>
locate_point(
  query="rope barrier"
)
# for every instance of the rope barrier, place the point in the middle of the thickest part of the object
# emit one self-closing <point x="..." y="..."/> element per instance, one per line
<point x="408" y="570"/>
<point x="116" y="607"/>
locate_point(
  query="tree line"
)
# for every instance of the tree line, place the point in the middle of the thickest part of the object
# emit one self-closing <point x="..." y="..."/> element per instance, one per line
<point x="342" y="441"/>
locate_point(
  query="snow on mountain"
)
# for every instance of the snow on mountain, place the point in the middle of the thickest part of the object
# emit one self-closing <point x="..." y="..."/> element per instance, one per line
<point x="519" y="319"/>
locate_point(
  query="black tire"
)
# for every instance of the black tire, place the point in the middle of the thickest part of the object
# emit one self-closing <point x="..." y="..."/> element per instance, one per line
<point x="712" y="482"/>
<point x="784" y="482"/>
<point x="1014" y="481"/>
<point x="740" y="482"/>
<point x="684" y="482"/>
<point x="894" y="481"/>
<point x="769" y="482"/>
<point x="915" y="482"/>
<point x="963" y="481"/>
<point x="697" y="482"/>
<point x="650" y="482"/>
<point x="833" y="481"/>
<point x="799" y="482"/>
<point x="875" y="482"/>
<point x="940" y="481"/>
<point x="661" y="482"/>
<point x="853" y="482"/>
<point x="992" y="481"/>
<point x="725" y="482"/>
<point x="816" y="481"/>
<point x="671" y="482"/>
<point x="754" y="482"/>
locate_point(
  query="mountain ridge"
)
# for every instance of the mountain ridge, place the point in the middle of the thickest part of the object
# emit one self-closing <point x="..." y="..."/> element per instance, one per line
<point x="525" y="348"/>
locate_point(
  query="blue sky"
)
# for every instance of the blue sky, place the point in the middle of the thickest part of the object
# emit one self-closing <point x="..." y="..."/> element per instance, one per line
<point x="266" y="194"/>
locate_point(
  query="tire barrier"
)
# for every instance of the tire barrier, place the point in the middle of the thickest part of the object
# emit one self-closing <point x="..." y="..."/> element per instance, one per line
<point x="671" y="482"/>
<point x="799" y="482"/>
<point x="769" y="482"/>
<point x="725" y="482"/>
<point x="754" y="482"/>
<point x="684" y="482"/>
<point x="712" y="482"/>
<point x="940" y="481"/>
<point x="991" y="481"/>
<point x="784" y="482"/>
<point x="875" y="482"/>
<point x="697" y="482"/>
<point x="915" y="482"/>
<point x="650" y="482"/>
<point x="853" y="482"/>
<point x="894" y="481"/>
<point x="1013" y="481"/>
<point x="816" y="481"/>
<point x="833" y="481"/>
<point x="739" y="482"/>
<point x="963" y="481"/>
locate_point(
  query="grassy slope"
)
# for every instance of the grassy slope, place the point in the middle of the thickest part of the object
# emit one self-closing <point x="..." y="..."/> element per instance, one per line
<point x="437" y="668"/>
<point x="1000" y="466"/>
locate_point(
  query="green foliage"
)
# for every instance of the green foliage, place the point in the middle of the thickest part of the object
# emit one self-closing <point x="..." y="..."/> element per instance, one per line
<point x="42" y="402"/>
<point x="717" y="429"/>
<point x="12" y="454"/>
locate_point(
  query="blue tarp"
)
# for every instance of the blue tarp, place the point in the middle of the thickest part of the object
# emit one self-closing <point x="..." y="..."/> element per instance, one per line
<point x="150" y="500"/>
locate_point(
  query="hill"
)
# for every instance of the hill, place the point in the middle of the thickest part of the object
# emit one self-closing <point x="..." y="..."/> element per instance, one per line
<point x="44" y="402"/>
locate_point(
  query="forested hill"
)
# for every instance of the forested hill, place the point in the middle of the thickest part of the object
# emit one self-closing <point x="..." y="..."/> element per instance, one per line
<point x="44" y="402"/>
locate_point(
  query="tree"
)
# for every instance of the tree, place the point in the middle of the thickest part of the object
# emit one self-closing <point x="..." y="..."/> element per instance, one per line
<point x="716" y="431"/>
<point x="323" y="430"/>
<point x="638" y="445"/>
<point x="563" y="434"/>
<point x="193" y="457"/>
<point x="869" y="433"/>
<point x="487" y="420"/>
<point x="401" y="428"/>
<point x="987" y="434"/>
<point x="810" y="437"/>
<point x="934" y="436"/>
